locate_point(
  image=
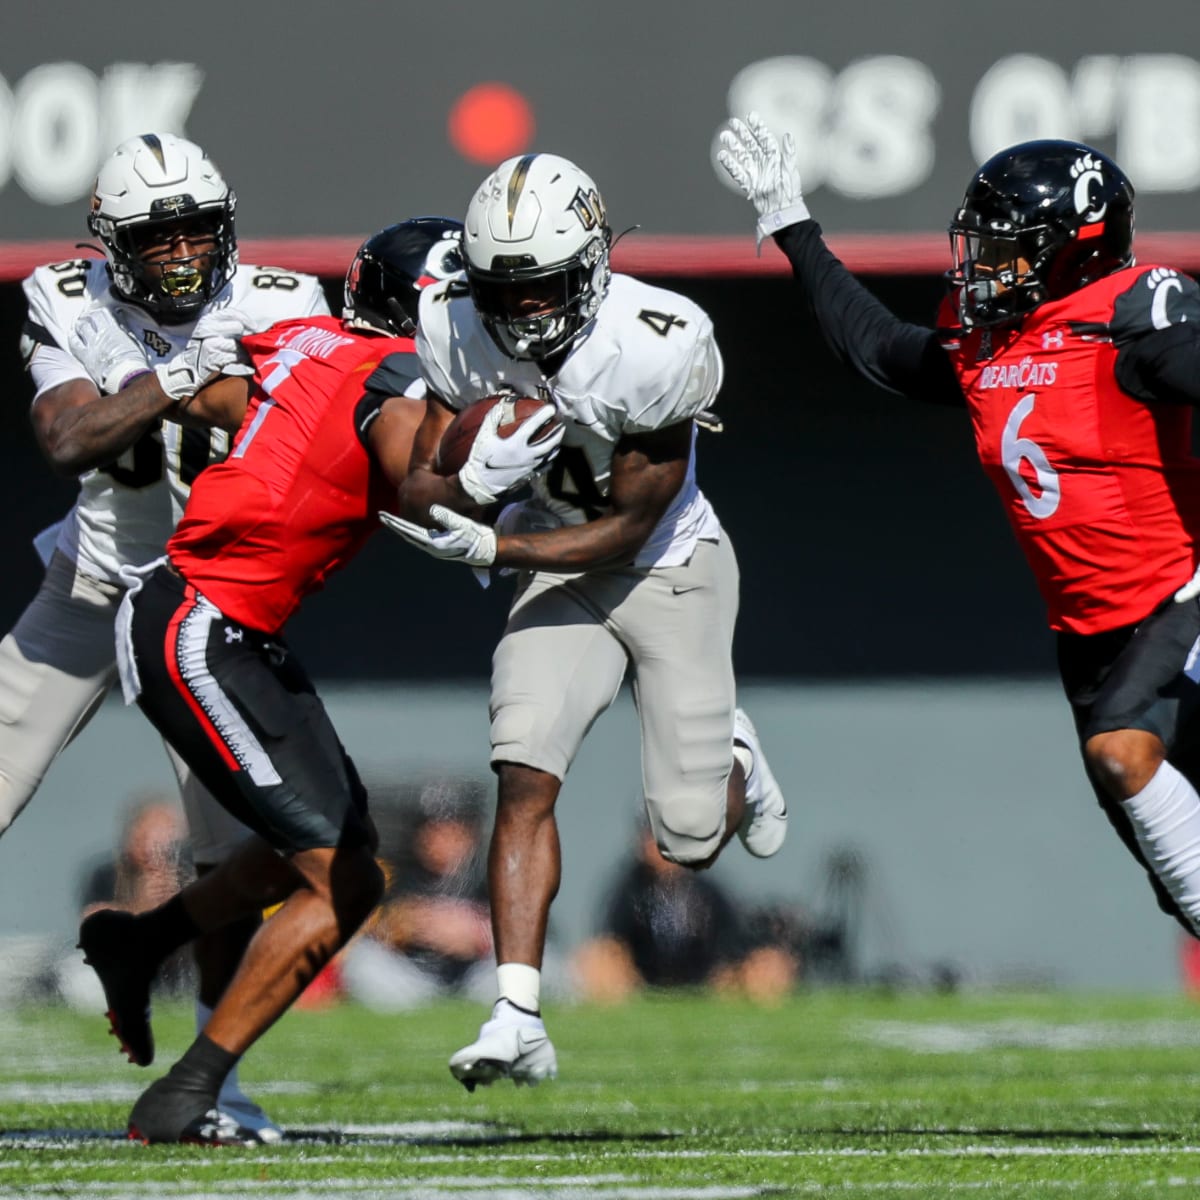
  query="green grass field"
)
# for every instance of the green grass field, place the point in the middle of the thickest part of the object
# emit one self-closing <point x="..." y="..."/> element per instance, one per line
<point x="680" y="1098"/>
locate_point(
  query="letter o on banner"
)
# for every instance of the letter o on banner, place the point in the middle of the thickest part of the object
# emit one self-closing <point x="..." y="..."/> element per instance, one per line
<point x="6" y="132"/>
<point x="56" y="131"/>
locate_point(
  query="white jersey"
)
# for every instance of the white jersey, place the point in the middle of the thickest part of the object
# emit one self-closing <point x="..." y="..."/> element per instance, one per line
<point x="648" y="360"/>
<point x="126" y="511"/>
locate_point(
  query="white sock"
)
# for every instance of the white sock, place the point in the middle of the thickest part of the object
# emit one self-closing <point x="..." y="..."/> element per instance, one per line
<point x="521" y="985"/>
<point x="1166" y="818"/>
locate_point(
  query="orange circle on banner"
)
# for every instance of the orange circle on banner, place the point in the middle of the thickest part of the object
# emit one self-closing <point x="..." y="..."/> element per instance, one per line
<point x="490" y="122"/>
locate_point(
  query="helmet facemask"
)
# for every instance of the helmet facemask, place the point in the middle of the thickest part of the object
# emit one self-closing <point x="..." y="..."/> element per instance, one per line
<point x="996" y="273"/>
<point x="172" y="286"/>
<point x="535" y="312"/>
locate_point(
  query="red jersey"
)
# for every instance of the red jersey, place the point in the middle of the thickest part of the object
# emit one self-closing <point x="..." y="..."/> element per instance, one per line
<point x="299" y="494"/>
<point x="1101" y="488"/>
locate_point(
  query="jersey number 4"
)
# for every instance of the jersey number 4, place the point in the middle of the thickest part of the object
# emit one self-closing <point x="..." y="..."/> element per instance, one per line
<point x="570" y="479"/>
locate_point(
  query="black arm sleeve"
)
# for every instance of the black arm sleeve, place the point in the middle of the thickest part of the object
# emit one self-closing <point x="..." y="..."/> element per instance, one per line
<point x="1162" y="365"/>
<point x="394" y="375"/>
<point x="861" y="332"/>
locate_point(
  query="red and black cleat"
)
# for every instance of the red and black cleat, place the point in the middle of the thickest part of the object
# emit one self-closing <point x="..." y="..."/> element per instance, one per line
<point x="110" y="947"/>
<point x="168" y="1113"/>
<point x="214" y="1128"/>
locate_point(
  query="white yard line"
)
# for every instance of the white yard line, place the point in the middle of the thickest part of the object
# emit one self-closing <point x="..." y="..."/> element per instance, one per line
<point x="958" y="1037"/>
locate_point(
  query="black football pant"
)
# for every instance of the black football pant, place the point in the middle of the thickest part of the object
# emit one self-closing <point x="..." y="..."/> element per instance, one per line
<point x="242" y="713"/>
<point x="1144" y="676"/>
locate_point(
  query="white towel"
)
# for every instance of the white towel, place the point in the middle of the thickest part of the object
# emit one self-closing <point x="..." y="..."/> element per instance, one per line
<point x="133" y="578"/>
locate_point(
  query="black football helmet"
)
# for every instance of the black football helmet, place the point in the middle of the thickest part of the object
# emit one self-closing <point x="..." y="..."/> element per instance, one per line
<point x="1038" y="222"/>
<point x="392" y="266"/>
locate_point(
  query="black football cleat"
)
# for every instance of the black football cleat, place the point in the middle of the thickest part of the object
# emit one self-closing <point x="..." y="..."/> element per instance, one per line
<point x="110" y="947"/>
<point x="166" y="1112"/>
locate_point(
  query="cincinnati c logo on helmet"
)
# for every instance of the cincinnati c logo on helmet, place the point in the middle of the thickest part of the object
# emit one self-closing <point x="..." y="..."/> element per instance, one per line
<point x="1086" y="170"/>
<point x="588" y="207"/>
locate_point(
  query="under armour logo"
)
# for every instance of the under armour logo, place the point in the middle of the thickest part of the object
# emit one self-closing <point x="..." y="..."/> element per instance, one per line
<point x="157" y="343"/>
<point x="232" y="634"/>
<point x="1052" y="339"/>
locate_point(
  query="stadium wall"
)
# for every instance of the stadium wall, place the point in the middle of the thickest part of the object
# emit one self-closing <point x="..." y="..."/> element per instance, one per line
<point x="982" y="854"/>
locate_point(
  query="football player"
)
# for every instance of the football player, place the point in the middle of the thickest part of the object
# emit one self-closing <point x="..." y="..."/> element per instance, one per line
<point x="111" y="345"/>
<point x="623" y="563"/>
<point x="1078" y="369"/>
<point x="324" y="433"/>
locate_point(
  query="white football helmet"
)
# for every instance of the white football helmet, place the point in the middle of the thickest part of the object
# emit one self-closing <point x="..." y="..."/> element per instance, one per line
<point x="536" y="248"/>
<point x="153" y="181"/>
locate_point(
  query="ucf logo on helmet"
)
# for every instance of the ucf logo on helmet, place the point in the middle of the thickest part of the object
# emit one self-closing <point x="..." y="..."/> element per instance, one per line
<point x="589" y="208"/>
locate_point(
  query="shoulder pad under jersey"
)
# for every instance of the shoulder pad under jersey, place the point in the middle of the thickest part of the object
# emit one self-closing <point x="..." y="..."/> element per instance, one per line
<point x="58" y="294"/>
<point x="271" y="294"/>
<point x="1156" y="298"/>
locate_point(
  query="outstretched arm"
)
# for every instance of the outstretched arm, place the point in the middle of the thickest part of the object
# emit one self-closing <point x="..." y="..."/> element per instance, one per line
<point x="861" y="331"/>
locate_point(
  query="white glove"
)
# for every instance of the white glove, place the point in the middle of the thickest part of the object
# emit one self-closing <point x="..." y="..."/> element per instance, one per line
<point x="499" y="464"/>
<point x="768" y="176"/>
<point x="460" y="539"/>
<point x="109" y="353"/>
<point x="1190" y="590"/>
<point x="227" y="322"/>
<point x="212" y="350"/>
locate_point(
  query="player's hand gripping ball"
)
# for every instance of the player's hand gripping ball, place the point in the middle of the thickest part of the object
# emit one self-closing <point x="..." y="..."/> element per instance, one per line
<point x="499" y="443"/>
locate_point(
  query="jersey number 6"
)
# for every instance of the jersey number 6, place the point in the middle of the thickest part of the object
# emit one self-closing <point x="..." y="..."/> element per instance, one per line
<point x="1014" y="450"/>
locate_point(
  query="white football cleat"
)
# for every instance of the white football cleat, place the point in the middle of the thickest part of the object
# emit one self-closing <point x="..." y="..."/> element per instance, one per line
<point x="512" y="1045"/>
<point x="764" y="824"/>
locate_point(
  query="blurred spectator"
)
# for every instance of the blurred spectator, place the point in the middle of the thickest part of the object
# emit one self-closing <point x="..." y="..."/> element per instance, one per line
<point x="431" y="936"/>
<point x="666" y="926"/>
<point x="149" y="866"/>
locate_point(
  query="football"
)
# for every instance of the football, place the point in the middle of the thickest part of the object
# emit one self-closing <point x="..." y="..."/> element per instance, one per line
<point x="455" y="446"/>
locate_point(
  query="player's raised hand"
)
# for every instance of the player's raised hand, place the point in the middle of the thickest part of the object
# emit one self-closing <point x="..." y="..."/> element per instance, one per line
<point x="499" y="464"/>
<point x="110" y="354"/>
<point x="765" y="171"/>
<point x="460" y="539"/>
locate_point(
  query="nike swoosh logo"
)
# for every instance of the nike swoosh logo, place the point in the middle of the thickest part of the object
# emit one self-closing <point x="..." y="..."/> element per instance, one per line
<point x="683" y="589"/>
